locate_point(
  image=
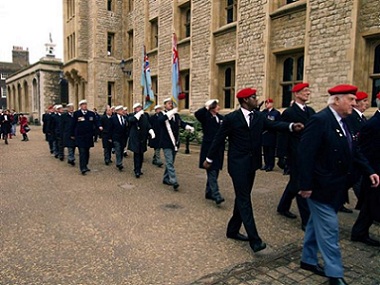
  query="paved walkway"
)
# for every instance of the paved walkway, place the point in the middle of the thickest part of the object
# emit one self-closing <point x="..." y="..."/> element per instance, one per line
<point x="59" y="227"/>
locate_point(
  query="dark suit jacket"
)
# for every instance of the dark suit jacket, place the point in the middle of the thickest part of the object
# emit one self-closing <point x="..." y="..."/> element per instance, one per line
<point x="56" y="126"/>
<point x="209" y="127"/>
<point x="244" y="143"/>
<point x="175" y="124"/>
<point x="83" y="128"/>
<point x="269" y="137"/>
<point x="325" y="161"/>
<point x="117" y="131"/>
<point x="155" y="124"/>
<point x="287" y="144"/>
<point x="355" y="122"/>
<point x="138" y="133"/>
<point x="67" y="124"/>
<point x="105" y="123"/>
<point x="369" y="142"/>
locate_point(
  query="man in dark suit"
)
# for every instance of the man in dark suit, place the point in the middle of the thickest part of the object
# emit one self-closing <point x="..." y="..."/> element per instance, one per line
<point x="369" y="142"/>
<point x="56" y="131"/>
<point x="46" y="119"/>
<point x="5" y="125"/>
<point x="356" y="121"/>
<point x="327" y="153"/>
<point x="118" y="133"/>
<point x="155" y="143"/>
<point x="211" y="121"/>
<point x="269" y="137"/>
<point x="170" y="122"/>
<point x="243" y="128"/>
<point x="67" y="125"/>
<point x="298" y="112"/>
<point x="83" y="132"/>
<point x="105" y="126"/>
<point x="138" y="136"/>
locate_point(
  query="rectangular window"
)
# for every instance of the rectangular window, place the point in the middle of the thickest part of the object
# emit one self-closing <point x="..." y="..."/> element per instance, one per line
<point x="185" y="81"/>
<point x="375" y="76"/>
<point x="231" y="7"/>
<point x="129" y="98"/>
<point x="154" y="33"/>
<point x="110" y="44"/>
<point x="130" y="5"/>
<point x="110" y="93"/>
<point x="155" y="88"/>
<point x="3" y="76"/>
<point x="185" y="14"/>
<point x="292" y="73"/>
<point x="110" y="4"/>
<point x="3" y="92"/>
<point x="130" y="44"/>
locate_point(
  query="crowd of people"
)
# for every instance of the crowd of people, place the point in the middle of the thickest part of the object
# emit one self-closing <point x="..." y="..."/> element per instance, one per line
<point x="325" y="153"/>
<point x="9" y="120"/>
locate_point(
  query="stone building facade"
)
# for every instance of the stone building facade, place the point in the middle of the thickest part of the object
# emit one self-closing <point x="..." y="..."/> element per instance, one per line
<point x="20" y="59"/>
<point x="32" y="89"/>
<point x="224" y="45"/>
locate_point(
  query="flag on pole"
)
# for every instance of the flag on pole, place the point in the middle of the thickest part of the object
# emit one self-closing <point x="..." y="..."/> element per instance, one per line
<point x="176" y="79"/>
<point x="146" y="81"/>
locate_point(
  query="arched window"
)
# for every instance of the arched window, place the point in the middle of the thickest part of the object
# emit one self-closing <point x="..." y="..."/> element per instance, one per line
<point x="376" y="75"/>
<point x="292" y="74"/>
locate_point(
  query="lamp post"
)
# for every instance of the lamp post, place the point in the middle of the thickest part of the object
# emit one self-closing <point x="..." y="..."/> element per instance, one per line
<point x="123" y="67"/>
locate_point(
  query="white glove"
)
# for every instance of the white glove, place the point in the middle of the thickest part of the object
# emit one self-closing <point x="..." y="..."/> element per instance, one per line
<point x="139" y="114"/>
<point x="189" y="128"/>
<point x="171" y="113"/>
<point x="152" y="134"/>
<point x="209" y="102"/>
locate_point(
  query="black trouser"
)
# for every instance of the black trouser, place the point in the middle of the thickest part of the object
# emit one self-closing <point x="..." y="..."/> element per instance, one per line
<point x="243" y="211"/>
<point x="269" y="152"/>
<point x="365" y="218"/>
<point x="84" y="156"/>
<point x="291" y="192"/>
<point x="138" y="158"/>
<point x="60" y="148"/>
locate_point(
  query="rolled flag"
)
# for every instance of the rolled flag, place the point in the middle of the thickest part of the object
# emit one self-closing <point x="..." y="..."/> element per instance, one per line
<point x="146" y="81"/>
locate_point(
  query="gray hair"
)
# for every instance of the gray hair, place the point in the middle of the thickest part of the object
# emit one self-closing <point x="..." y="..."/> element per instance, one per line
<point x="331" y="99"/>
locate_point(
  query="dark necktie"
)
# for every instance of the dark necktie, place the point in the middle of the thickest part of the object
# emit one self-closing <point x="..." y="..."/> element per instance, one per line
<point x="348" y="134"/>
<point x="251" y="116"/>
<point x="364" y="118"/>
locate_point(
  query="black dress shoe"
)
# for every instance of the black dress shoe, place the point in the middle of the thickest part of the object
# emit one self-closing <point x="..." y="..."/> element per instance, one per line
<point x="337" y="281"/>
<point x="219" y="200"/>
<point x="175" y="186"/>
<point x="343" y="209"/>
<point x="258" y="246"/>
<point x="288" y="214"/>
<point x="317" y="269"/>
<point x="71" y="162"/>
<point x="137" y="175"/>
<point x="269" y="169"/>
<point x="367" y="240"/>
<point x="107" y="162"/>
<point x="120" y="167"/>
<point x="83" y="172"/>
<point x="238" y="236"/>
<point x="264" y="167"/>
<point x="209" y="197"/>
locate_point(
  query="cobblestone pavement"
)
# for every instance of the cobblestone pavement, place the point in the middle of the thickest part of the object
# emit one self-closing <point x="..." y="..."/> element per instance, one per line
<point x="59" y="227"/>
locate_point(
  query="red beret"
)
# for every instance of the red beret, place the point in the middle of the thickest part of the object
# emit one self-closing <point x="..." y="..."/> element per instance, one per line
<point x="361" y="95"/>
<point x="245" y="93"/>
<point x="270" y="100"/>
<point x="298" y="87"/>
<point x="343" y="89"/>
<point x="378" y="95"/>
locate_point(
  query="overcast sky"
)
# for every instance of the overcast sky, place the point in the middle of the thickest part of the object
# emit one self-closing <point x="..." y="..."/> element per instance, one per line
<point x="27" y="23"/>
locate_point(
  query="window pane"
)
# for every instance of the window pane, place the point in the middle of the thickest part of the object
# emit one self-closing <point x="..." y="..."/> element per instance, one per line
<point x="186" y="91"/>
<point x="376" y="65"/>
<point x="227" y="77"/>
<point x="230" y="15"/>
<point x="375" y="90"/>
<point x="288" y="70"/>
<point x="227" y="98"/>
<point x="230" y="2"/>
<point x="286" y="95"/>
<point x="300" y="68"/>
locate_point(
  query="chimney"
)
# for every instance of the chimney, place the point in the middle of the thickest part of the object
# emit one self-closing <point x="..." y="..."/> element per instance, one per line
<point x="20" y="56"/>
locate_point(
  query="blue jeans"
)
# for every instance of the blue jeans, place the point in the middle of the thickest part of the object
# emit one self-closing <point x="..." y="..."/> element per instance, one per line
<point x="169" y="174"/>
<point x="71" y="153"/>
<point x="157" y="156"/>
<point x="322" y="233"/>
<point x="212" y="188"/>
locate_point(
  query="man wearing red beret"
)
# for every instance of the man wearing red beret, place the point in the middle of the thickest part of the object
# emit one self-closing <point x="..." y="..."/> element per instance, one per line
<point x="288" y="145"/>
<point x="243" y="128"/>
<point x="327" y="153"/>
<point x="369" y="142"/>
<point x="269" y="137"/>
